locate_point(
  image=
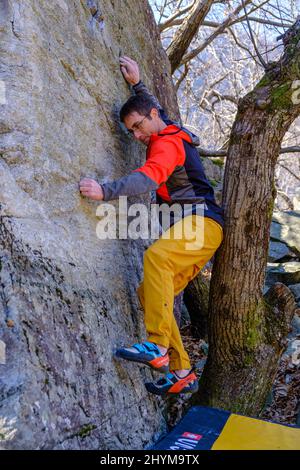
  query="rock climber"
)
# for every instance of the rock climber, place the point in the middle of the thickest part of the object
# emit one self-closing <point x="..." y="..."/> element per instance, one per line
<point x="174" y="170"/>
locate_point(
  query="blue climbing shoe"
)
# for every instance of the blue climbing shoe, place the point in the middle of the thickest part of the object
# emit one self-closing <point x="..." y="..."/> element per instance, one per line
<point x="146" y="353"/>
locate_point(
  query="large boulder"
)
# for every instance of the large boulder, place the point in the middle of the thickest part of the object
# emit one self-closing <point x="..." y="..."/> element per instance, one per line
<point x="278" y="250"/>
<point x="287" y="273"/>
<point x="214" y="170"/>
<point x="67" y="298"/>
<point x="295" y="288"/>
<point x="285" y="228"/>
<point x="284" y="246"/>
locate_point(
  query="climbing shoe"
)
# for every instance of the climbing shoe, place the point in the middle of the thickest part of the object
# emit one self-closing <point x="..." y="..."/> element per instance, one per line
<point x="146" y="353"/>
<point x="172" y="384"/>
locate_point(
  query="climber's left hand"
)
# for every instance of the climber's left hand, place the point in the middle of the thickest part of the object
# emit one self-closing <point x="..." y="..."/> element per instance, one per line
<point x="130" y="70"/>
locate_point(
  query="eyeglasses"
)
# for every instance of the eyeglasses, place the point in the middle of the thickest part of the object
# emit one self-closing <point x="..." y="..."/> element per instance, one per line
<point x="137" y="125"/>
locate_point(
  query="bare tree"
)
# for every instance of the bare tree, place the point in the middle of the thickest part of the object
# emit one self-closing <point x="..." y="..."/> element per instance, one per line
<point x="246" y="329"/>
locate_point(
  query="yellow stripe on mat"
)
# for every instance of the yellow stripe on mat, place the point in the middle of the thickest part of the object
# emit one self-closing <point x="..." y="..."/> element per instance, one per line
<point x="243" y="433"/>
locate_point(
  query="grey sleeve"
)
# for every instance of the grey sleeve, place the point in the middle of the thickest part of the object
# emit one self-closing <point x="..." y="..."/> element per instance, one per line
<point x="141" y="89"/>
<point x="135" y="183"/>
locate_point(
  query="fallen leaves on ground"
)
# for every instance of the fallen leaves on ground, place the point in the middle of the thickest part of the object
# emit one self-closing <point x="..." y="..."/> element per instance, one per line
<point x="284" y="407"/>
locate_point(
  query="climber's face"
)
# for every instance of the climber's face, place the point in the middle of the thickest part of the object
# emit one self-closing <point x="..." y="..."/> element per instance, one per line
<point x="142" y="127"/>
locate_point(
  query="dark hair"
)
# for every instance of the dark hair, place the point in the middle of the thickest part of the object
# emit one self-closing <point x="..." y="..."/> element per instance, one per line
<point x="142" y="104"/>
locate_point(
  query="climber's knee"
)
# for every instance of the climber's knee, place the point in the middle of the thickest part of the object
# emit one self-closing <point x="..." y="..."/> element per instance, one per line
<point x="155" y="255"/>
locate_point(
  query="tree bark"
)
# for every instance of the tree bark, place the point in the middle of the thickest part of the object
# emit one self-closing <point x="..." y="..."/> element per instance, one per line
<point x="246" y="329"/>
<point x="196" y="297"/>
<point x="185" y="34"/>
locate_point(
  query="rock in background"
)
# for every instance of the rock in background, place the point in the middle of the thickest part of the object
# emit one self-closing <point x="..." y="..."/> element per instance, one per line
<point x="67" y="299"/>
<point x="214" y="170"/>
<point x="284" y="249"/>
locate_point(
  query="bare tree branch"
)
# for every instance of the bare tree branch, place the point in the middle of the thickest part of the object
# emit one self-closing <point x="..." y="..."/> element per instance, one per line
<point x="211" y="153"/>
<point x="214" y="24"/>
<point x="242" y="46"/>
<point x="290" y="149"/>
<point x="259" y="56"/>
<point x="289" y="170"/>
<point x="182" y="77"/>
<point x="223" y="153"/>
<point x="271" y="13"/>
<point x="162" y="10"/>
<point x="221" y="97"/>
<point x="186" y="33"/>
<point x="285" y="198"/>
<point x="232" y="16"/>
<point x="170" y="21"/>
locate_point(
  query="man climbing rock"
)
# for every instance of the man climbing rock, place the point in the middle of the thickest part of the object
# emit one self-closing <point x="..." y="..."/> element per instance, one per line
<point x="174" y="170"/>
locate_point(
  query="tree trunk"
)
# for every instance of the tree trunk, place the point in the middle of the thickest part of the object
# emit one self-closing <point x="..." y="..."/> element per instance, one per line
<point x="187" y="31"/>
<point x="246" y="329"/>
<point x="196" y="296"/>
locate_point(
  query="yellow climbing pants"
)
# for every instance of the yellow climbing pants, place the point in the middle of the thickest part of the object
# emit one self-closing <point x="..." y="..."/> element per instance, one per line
<point x="169" y="265"/>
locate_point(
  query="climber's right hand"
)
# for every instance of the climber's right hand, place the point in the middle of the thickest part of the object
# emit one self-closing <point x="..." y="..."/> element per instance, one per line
<point x="130" y="70"/>
<point x="90" y="188"/>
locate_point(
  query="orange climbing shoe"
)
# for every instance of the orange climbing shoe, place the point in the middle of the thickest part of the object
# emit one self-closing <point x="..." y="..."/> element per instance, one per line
<point x="172" y="384"/>
<point x="146" y="353"/>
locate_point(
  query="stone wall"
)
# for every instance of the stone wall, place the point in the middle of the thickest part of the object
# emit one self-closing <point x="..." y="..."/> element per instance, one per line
<point x="67" y="299"/>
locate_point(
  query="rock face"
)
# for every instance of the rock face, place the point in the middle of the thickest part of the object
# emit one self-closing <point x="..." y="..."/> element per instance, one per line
<point x="284" y="249"/>
<point x="287" y="273"/>
<point x="285" y="228"/>
<point x="68" y="299"/>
